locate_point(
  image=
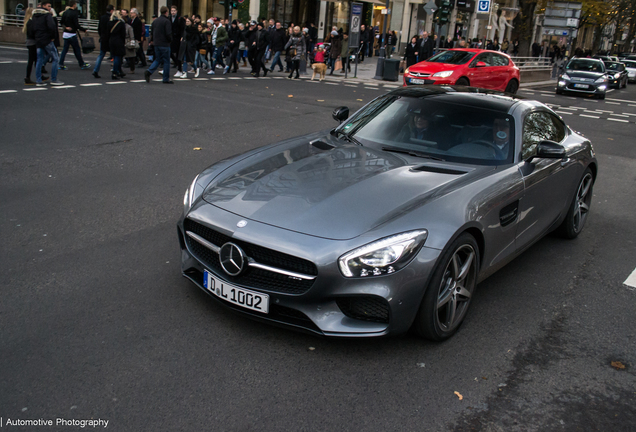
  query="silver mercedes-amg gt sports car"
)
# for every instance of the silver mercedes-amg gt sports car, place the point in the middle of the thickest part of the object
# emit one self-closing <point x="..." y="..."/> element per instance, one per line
<point x="390" y="220"/>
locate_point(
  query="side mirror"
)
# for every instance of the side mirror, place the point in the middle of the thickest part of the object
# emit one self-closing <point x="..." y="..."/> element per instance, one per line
<point x="480" y="64"/>
<point x="340" y="114"/>
<point x="549" y="150"/>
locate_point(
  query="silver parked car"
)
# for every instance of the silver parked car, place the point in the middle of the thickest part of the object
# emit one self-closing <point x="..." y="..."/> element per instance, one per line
<point x="390" y="220"/>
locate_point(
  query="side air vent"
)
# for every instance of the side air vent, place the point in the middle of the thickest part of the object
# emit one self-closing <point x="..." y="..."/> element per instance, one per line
<point x="438" y="169"/>
<point x="321" y="145"/>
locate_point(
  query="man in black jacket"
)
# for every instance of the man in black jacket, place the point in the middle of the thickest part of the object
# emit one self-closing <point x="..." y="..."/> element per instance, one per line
<point x="426" y="47"/>
<point x="139" y="30"/>
<point x="261" y="41"/>
<point x="45" y="31"/>
<point x="364" y="42"/>
<point x="160" y="38"/>
<point x="102" y="30"/>
<point x="178" y="30"/>
<point x="278" y="44"/>
<point x="70" y="25"/>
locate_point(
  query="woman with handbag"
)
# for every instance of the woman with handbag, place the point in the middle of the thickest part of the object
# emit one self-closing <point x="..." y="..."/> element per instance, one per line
<point x="297" y="51"/>
<point x="117" y="43"/>
<point x="131" y="47"/>
<point x="202" y="51"/>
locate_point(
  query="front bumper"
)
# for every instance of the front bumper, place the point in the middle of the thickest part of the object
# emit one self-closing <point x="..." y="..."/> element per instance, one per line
<point x="591" y="88"/>
<point x="408" y="80"/>
<point x="333" y="305"/>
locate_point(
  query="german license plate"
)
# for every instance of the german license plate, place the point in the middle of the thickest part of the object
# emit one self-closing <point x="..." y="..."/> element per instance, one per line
<point x="581" y="86"/>
<point x="416" y="81"/>
<point x="239" y="296"/>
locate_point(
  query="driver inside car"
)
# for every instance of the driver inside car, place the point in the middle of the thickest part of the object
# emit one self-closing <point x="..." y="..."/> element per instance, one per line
<point x="418" y="128"/>
<point x="501" y="137"/>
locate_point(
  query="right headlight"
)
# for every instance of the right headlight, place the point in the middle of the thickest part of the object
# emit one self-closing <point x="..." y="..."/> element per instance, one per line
<point x="383" y="256"/>
<point x="601" y="79"/>
<point x="189" y="196"/>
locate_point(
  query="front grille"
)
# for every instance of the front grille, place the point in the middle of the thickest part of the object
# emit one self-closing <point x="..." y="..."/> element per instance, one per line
<point x="367" y="308"/>
<point x="252" y="277"/>
<point x="419" y="74"/>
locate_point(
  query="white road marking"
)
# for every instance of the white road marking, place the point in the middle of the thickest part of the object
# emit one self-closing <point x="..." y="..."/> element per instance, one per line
<point x="272" y="77"/>
<point x="620" y="115"/>
<point x="23" y="61"/>
<point x="612" y="103"/>
<point x="36" y="89"/>
<point x="91" y="85"/>
<point x="588" y="116"/>
<point x="64" y="87"/>
<point x="631" y="280"/>
<point x="331" y="83"/>
<point x="200" y="79"/>
<point x="14" y="48"/>
<point x="117" y="82"/>
<point x="137" y="81"/>
<point x="564" y="112"/>
<point x="548" y="95"/>
<point x="569" y="108"/>
<point x="5" y="62"/>
<point x="632" y="105"/>
<point x="619" y="120"/>
<point x="621" y="100"/>
<point x="348" y="85"/>
<point x="371" y="88"/>
<point x="158" y="79"/>
<point x="598" y="110"/>
<point x="252" y="78"/>
<point x="8" y="91"/>
<point x="235" y="78"/>
<point x="629" y="114"/>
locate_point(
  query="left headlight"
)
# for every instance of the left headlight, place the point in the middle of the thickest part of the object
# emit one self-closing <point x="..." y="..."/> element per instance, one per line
<point x="189" y="196"/>
<point x="383" y="256"/>
<point x="601" y="79"/>
<point x="443" y="74"/>
<point x="616" y="76"/>
<point x="406" y="71"/>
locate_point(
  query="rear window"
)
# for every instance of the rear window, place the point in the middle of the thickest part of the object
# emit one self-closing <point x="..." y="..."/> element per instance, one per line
<point x="586" y="65"/>
<point x="614" y="66"/>
<point x="452" y="57"/>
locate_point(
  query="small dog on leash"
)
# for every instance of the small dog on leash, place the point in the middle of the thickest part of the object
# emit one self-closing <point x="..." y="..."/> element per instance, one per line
<point x="319" y="68"/>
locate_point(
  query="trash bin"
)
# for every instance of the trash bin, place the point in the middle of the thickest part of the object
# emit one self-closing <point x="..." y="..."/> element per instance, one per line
<point x="391" y="70"/>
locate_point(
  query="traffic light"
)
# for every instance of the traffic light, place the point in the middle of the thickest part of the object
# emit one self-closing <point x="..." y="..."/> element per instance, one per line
<point x="446" y="6"/>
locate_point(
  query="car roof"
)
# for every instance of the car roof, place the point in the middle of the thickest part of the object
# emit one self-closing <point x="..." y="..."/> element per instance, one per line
<point x="477" y="50"/>
<point x="471" y="96"/>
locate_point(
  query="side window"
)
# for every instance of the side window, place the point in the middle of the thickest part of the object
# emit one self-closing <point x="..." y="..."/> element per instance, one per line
<point x="499" y="60"/>
<point x="484" y="57"/>
<point x="539" y="126"/>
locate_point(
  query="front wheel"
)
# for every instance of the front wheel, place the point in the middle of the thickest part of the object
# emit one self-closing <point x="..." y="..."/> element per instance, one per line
<point x="577" y="214"/>
<point x="451" y="289"/>
<point x="601" y="96"/>
<point x="512" y="86"/>
<point x="462" y="82"/>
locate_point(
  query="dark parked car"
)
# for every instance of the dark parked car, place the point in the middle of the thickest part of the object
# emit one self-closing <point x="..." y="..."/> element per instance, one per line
<point x="617" y="74"/>
<point x="389" y="220"/>
<point x="584" y="75"/>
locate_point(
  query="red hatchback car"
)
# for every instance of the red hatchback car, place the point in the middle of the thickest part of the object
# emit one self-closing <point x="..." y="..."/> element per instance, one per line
<point x="470" y="67"/>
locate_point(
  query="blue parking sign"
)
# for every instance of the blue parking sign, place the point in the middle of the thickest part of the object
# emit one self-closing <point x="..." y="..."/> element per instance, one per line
<point x="483" y="6"/>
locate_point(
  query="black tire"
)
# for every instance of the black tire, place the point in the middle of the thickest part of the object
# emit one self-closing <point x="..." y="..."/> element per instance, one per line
<point x="463" y="81"/>
<point x="512" y="86"/>
<point x="625" y="84"/>
<point x="577" y="214"/>
<point x="559" y="92"/>
<point x="450" y="291"/>
<point x="601" y="97"/>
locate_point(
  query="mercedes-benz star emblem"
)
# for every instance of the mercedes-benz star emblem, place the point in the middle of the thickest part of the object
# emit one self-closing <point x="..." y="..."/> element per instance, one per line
<point x="241" y="223"/>
<point x="232" y="259"/>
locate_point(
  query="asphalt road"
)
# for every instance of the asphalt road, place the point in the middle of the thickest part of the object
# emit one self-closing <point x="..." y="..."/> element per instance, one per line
<point x="96" y="321"/>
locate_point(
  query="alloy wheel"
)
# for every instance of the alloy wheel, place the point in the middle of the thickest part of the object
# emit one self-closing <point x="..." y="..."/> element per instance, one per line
<point x="582" y="204"/>
<point x="456" y="288"/>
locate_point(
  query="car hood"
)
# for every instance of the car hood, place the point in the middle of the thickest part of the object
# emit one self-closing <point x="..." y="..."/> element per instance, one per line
<point x="433" y="67"/>
<point x="335" y="192"/>
<point x="583" y="74"/>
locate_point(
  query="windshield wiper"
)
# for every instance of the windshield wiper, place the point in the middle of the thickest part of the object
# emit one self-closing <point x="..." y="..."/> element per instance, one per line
<point x="346" y="137"/>
<point x="411" y="153"/>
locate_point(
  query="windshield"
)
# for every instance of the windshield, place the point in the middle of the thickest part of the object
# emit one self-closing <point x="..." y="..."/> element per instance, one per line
<point x="630" y="64"/>
<point x="586" y="66"/>
<point x="429" y="127"/>
<point x="452" y="57"/>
